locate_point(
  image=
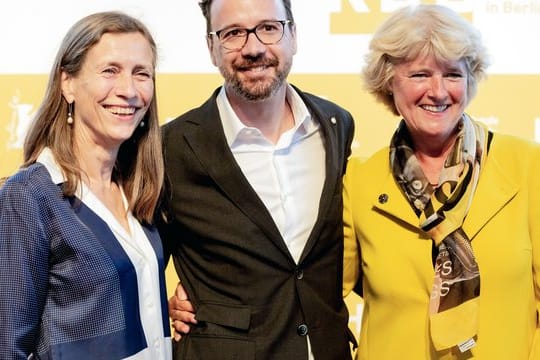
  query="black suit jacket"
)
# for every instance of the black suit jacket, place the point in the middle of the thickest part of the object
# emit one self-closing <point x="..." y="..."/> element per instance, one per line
<point x="252" y="300"/>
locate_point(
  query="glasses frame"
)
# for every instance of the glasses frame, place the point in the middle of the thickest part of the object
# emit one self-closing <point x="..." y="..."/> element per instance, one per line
<point x="253" y="31"/>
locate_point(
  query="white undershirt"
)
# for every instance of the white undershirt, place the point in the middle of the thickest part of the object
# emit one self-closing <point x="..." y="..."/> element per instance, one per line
<point x="142" y="256"/>
<point x="288" y="176"/>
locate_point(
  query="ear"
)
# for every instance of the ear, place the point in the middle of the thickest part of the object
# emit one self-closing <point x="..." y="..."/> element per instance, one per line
<point x="390" y="86"/>
<point x="292" y="29"/>
<point x="210" y="45"/>
<point x="67" y="87"/>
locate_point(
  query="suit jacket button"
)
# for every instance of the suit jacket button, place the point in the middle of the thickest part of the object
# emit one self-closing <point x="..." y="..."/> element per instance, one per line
<point x="299" y="274"/>
<point x="383" y="198"/>
<point x="302" y="330"/>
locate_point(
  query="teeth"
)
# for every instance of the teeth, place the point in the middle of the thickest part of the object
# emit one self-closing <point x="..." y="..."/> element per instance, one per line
<point x="434" y="108"/>
<point x="121" y="110"/>
<point x="256" y="68"/>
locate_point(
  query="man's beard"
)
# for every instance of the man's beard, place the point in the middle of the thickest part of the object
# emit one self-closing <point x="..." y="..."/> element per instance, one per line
<point x="256" y="90"/>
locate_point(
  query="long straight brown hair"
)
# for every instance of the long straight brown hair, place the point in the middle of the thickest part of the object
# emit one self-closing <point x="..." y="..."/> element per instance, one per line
<point x="139" y="164"/>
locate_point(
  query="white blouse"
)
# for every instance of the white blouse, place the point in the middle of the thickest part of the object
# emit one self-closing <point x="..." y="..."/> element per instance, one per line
<point x="142" y="256"/>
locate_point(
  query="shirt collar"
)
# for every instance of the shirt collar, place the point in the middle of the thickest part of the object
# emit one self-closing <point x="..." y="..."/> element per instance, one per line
<point x="233" y="127"/>
<point x="46" y="158"/>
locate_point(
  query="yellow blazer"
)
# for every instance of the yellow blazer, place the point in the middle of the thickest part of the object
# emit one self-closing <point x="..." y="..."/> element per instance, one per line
<point x="387" y="251"/>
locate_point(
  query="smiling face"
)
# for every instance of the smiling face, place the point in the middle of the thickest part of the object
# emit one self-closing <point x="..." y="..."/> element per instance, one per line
<point x="431" y="97"/>
<point x="256" y="71"/>
<point x="112" y="91"/>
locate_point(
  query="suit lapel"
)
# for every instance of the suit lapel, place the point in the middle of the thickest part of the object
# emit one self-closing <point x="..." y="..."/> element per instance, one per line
<point x="206" y="138"/>
<point x="328" y="125"/>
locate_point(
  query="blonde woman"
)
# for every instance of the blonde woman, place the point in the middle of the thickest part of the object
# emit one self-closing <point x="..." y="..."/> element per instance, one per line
<point x="442" y="227"/>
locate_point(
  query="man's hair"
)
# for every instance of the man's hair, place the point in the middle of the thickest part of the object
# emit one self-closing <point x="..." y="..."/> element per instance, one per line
<point x="206" y="4"/>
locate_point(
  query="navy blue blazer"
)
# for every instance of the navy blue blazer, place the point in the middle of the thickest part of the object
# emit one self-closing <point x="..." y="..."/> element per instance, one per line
<point x="252" y="300"/>
<point x="69" y="291"/>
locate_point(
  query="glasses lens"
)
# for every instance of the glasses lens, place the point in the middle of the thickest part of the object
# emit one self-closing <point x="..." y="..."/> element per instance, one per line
<point x="233" y="38"/>
<point x="269" y="32"/>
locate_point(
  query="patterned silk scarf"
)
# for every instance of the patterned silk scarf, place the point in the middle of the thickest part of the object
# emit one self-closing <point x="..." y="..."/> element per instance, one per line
<point x="441" y="210"/>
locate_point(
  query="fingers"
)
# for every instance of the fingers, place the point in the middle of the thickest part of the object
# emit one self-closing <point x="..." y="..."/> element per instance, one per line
<point x="180" y="292"/>
<point x="182" y="312"/>
<point x="181" y="320"/>
<point x="179" y="329"/>
<point x="182" y="315"/>
<point x="181" y="306"/>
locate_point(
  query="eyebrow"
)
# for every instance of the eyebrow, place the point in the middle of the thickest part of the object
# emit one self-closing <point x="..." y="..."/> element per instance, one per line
<point x="244" y="26"/>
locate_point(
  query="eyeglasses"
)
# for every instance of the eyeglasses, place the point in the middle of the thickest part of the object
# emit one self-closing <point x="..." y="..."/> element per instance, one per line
<point x="267" y="32"/>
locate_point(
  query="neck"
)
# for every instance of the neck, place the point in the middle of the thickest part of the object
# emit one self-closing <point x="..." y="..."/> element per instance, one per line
<point x="272" y="116"/>
<point x="97" y="165"/>
<point x="432" y="161"/>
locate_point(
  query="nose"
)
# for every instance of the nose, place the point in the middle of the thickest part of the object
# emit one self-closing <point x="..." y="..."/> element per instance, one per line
<point x="253" y="45"/>
<point x="125" y="86"/>
<point x="438" y="87"/>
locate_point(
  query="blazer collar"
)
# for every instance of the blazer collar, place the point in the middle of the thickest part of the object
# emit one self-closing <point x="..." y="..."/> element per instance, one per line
<point x="495" y="189"/>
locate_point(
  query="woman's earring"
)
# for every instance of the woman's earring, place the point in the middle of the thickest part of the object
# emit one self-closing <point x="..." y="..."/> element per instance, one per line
<point x="70" y="114"/>
<point x="141" y="124"/>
